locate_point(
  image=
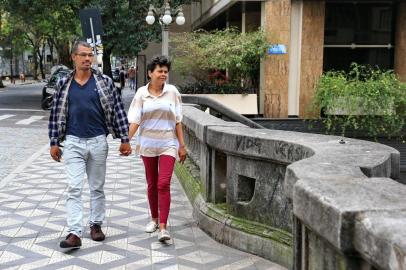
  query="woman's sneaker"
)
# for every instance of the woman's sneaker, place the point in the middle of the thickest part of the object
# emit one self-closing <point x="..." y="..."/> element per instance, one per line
<point x="163" y="235"/>
<point x="151" y="227"/>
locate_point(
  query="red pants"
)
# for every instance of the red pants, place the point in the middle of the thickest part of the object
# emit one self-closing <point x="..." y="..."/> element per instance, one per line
<point x="158" y="171"/>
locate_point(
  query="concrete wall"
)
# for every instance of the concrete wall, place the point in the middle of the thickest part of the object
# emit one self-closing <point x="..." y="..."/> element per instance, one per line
<point x="339" y="200"/>
<point x="290" y="79"/>
<point x="276" y="67"/>
<point x="311" y="52"/>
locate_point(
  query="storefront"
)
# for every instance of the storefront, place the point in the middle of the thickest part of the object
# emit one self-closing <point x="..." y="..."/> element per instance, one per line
<point x="319" y="35"/>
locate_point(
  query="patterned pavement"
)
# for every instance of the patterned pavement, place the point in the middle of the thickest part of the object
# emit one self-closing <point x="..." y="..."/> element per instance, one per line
<point x="32" y="222"/>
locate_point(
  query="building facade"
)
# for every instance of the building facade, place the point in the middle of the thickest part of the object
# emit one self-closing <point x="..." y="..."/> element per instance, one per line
<point x="320" y="35"/>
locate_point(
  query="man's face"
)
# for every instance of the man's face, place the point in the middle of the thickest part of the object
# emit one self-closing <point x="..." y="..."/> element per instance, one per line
<point x="83" y="58"/>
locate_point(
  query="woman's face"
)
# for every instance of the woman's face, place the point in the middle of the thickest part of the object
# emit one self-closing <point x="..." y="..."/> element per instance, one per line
<point x="159" y="74"/>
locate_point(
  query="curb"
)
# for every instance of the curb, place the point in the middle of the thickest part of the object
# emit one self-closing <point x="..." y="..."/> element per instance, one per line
<point x="20" y="84"/>
<point x="224" y="228"/>
<point x="20" y="168"/>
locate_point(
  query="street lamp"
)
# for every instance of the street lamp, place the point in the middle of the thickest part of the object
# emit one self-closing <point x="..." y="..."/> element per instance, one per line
<point x="165" y="15"/>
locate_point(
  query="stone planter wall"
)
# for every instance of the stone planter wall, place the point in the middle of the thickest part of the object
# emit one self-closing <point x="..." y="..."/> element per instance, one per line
<point x="339" y="203"/>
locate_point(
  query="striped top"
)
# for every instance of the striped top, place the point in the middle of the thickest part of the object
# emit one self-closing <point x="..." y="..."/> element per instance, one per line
<point x="157" y="118"/>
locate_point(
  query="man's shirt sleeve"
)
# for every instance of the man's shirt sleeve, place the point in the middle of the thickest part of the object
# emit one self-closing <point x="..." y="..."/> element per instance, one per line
<point x="53" y="117"/>
<point x="121" y="121"/>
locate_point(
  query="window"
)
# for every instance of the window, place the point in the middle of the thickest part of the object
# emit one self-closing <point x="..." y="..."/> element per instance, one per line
<point x="361" y="32"/>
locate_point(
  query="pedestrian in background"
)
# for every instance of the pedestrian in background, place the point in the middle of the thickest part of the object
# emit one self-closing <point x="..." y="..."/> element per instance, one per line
<point x="122" y="79"/>
<point x="131" y="77"/>
<point x="22" y="77"/>
<point x="156" y="111"/>
<point x="86" y="108"/>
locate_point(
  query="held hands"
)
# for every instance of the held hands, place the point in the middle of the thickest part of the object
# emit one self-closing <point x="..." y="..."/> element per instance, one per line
<point x="182" y="154"/>
<point x="56" y="153"/>
<point x="125" y="149"/>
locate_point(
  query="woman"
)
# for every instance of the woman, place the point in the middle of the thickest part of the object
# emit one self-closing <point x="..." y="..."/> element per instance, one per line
<point x="156" y="112"/>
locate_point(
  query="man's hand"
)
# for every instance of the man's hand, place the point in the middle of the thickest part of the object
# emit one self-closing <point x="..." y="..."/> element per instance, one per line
<point x="125" y="149"/>
<point x="56" y="153"/>
<point x="182" y="154"/>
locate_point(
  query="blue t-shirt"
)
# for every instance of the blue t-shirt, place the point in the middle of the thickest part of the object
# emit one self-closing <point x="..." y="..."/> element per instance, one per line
<point x="85" y="114"/>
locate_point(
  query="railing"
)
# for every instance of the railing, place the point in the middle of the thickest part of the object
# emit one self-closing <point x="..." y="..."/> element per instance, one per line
<point x="216" y="107"/>
<point x="305" y="201"/>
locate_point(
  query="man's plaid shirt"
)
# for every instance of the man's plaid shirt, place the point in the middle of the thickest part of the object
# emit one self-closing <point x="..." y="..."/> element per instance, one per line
<point x="115" y="116"/>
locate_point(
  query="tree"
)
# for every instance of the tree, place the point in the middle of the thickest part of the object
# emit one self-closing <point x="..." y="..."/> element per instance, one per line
<point x="11" y="40"/>
<point x="55" y="22"/>
<point x="125" y="31"/>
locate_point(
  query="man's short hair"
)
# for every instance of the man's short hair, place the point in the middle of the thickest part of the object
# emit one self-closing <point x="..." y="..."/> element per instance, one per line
<point x="78" y="43"/>
<point x="161" y="61"/>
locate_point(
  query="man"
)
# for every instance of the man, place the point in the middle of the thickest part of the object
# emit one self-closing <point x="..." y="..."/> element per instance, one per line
<point x="86" y="108"/>
<point x="131" y="77"/>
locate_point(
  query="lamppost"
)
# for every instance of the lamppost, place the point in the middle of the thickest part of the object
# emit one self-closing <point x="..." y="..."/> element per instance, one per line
<point x="165" y="14"/>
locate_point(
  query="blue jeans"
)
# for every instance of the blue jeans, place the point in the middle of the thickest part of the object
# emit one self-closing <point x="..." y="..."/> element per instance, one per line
<point x="132" y="83"/>
<point x="85" y="156"/>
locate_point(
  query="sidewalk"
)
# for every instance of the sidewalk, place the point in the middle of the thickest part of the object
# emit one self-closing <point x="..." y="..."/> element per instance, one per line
<point x="18" y="82"/>
<point x="32" y="222"/>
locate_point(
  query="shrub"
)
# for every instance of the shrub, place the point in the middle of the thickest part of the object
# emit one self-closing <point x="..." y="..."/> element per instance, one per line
<point x="365" y="99"/>
<point x="198" y="53"/>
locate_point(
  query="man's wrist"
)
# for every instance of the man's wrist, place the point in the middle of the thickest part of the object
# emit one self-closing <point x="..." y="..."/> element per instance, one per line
<point x="53" y="142"/>
<point x="125" y="139"/>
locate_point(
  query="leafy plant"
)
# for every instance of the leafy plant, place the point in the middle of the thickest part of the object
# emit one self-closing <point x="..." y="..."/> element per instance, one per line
<point x="364" y="99"/>
<point x="198" y="53"/>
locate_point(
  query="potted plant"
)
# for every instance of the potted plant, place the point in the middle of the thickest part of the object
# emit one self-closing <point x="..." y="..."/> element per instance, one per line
<point x="223" y="64"/>
<point x="364" y="99"/>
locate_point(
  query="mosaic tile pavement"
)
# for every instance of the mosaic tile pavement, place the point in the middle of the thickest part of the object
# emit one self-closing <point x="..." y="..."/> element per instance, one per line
<point x="32" y="222"/>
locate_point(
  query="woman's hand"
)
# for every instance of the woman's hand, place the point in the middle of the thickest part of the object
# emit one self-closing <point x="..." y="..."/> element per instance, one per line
<point x="182" y="154"/>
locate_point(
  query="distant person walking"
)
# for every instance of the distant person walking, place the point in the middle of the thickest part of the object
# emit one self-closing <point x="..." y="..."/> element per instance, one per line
<point x="122" y="79"/>
<point x="156" y="111"/>
<point x="22" y="77"/>
<point x="132" y="72"/>
<point x="86" y="108"/>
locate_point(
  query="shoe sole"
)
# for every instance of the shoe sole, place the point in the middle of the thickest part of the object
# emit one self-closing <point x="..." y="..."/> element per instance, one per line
<point x="151" y="231"/>
<point x="69" y="248"/>
<point x="163" y="239"/>
<point x="99" y="239"/>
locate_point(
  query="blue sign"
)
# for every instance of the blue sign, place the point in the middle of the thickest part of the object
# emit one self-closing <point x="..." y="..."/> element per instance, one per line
<point x="277" y="49"/>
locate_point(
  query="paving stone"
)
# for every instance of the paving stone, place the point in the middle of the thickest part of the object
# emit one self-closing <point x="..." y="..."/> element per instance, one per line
<point x="32" y="222"/>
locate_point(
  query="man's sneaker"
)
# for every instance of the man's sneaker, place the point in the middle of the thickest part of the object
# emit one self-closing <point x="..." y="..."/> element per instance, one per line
<point x="72" y="241"/>
<point x="96" y="233"/>
<point x="163" y="235"/>
<point x="151" y="227"/>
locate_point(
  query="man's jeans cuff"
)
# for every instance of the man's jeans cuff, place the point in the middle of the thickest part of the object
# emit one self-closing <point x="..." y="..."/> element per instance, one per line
<point x="78" y="234"/>
<point x="91" y="223"/>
